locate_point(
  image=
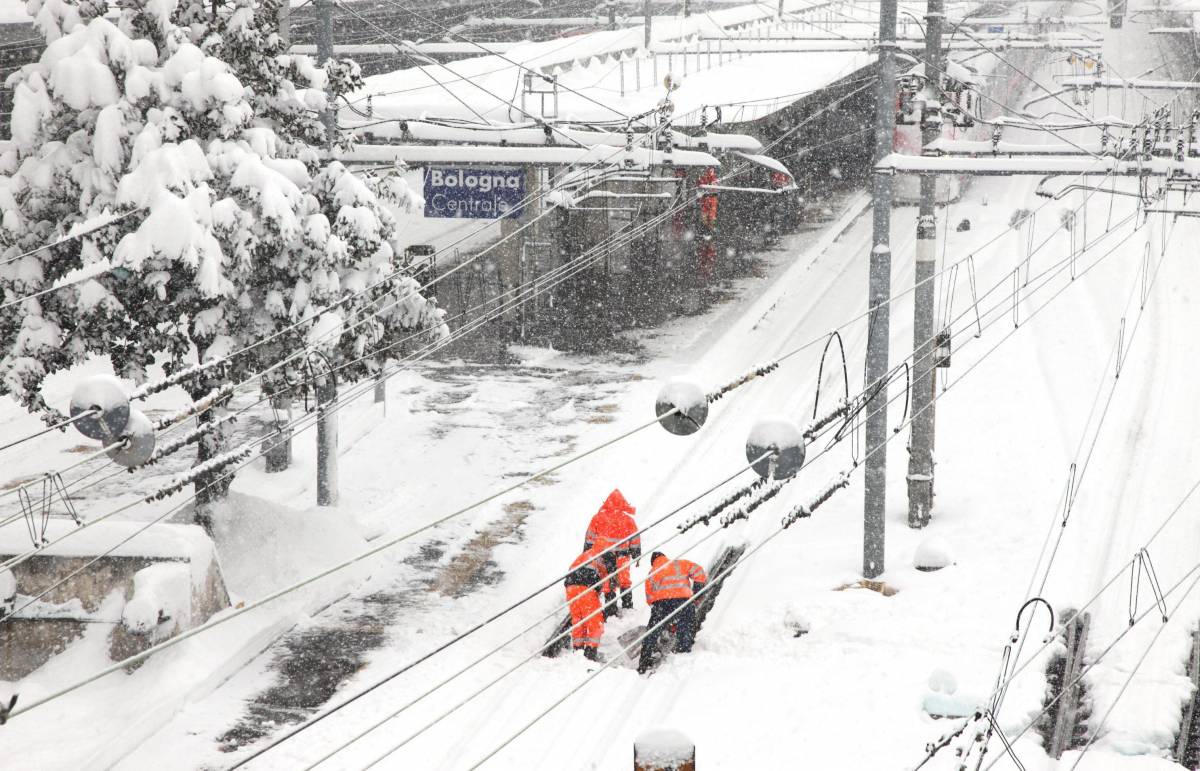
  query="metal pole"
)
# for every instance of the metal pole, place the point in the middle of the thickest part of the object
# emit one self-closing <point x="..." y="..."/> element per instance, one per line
<point x="278" y="434"/>
<point x="879" y="292"/>
<point x="920" y="450"/>
<point x="612" y="14"/>
<point x="327" y="440"/>
<point x="324" y="54"/>
<point x="646" y="18"/>
<point x="687" y="11"/>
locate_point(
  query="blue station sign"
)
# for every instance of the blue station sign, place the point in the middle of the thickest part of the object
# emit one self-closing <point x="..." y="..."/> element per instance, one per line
<point x="455" y="191"/>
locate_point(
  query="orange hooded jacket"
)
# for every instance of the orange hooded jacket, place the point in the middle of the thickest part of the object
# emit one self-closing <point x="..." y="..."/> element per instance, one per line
<point x="613" y="525"/>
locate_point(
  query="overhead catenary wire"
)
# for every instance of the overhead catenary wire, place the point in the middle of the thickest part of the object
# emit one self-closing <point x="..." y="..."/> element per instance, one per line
<point x="558" y="610"/>
<point x="1077" y="474"/>
<point x="735" y="383"/>
<point x="800" y="511"/>
<point x="275" y="595"/>
<point x="740" y="560"/>
<point x="18" y="558"/>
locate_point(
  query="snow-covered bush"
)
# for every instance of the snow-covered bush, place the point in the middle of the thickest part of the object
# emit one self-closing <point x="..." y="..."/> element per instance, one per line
<point x="207" y="136"/>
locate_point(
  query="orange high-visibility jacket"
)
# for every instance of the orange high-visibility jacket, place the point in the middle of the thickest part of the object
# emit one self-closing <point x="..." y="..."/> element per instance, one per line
<point x="588" y="569"/>
<point x="613" y="526"/>
<point x="672" y="580"/>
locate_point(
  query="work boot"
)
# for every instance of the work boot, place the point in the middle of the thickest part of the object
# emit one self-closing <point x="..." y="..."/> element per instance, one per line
<point x="610" y="606"/>
<point x="627" y="600"/>
<point x="591" y="654"/>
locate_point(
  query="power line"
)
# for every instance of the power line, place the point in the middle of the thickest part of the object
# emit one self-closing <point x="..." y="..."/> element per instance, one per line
<point x="510" y="670"/>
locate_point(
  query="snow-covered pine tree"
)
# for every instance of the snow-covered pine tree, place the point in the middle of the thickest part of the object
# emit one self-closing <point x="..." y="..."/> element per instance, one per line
<point x="204" y="132"/>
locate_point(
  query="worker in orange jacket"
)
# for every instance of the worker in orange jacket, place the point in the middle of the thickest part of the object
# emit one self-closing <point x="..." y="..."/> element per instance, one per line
<point x="614" y="532"/>
<point x="585" y="583"/>
<point x="670" y="587"/>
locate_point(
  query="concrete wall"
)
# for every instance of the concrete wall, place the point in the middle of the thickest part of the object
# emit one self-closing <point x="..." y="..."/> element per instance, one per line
<point x="47" y="627"/>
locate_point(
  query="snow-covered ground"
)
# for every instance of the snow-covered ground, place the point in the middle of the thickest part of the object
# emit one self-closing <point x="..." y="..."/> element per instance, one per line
<point x="848" y="694"/>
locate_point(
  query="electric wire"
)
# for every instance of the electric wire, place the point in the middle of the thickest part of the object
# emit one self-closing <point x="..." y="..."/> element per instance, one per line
<point x="508" y="671"/>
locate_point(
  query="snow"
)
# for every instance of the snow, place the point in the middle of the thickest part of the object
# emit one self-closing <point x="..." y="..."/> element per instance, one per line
<point x="663" y="747"/>
<point x="685" y="394"/>
<point x="933" y="554"/>
<point x="8" y="588"/>
<point x="779" y="432"/>
<point x="858" y="680"/>
<point x="138" y="435"/>
<point x="162" y="598"/>
<point x="326" y="331"/>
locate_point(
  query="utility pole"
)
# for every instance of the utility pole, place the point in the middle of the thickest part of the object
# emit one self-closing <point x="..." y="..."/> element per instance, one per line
<point x="612" y="15"/>
<point x="920" y="449"/>
<point x="878" y="296"/>
<point x="285" y="23"/>
<point x="646" y="19"/>
<point x="327" y="437"/>
<point x="687" y="9"/>
<point x="324" y="54"/>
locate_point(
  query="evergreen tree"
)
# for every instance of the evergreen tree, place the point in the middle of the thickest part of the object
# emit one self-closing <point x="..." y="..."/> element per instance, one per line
<point x="202" y="136"/>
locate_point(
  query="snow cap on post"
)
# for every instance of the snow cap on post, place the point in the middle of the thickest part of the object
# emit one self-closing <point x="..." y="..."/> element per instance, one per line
<point x="785" y="439"/>
<point x="687" y="404"/>
<point x="663" y="750"/>
<point x="933" y="554"/>
<point x="104" y="400"/>
<point x="138" y="438"/>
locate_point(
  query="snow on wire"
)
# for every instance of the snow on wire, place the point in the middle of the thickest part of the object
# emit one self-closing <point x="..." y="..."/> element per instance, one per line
<point x="209" y="466"/>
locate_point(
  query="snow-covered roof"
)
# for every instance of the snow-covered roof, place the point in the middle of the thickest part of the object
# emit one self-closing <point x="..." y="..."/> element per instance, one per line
<point x="611" y="76"/>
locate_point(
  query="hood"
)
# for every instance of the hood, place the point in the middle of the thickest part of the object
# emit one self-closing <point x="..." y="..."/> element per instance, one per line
<point x="616" y="504"/>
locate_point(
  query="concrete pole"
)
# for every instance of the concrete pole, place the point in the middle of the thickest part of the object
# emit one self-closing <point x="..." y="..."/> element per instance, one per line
<point x="324" y="54"/>
<point x="612" y="15"/>
<point x="879" y="293"/>
<point x="327" y="441"/>
<point x="646" y="17"/>
<point x="381" y="389"/>
<point x="920" y="457"/>
<point x="687" y="11"/>
<point x="285" y="23"/>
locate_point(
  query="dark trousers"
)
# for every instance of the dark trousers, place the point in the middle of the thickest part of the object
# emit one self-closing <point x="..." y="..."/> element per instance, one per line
<point x="685" y="628"/>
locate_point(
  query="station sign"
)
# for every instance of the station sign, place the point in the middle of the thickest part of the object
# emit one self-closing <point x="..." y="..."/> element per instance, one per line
<point x="995" y="29"/>
<point x="486" y="193"/>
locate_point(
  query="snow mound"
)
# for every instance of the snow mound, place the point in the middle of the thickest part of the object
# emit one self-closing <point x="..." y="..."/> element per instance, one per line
<point x="162" y="595"/>
<point x="265" y="546"/>
<point x="933" y="554"/>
